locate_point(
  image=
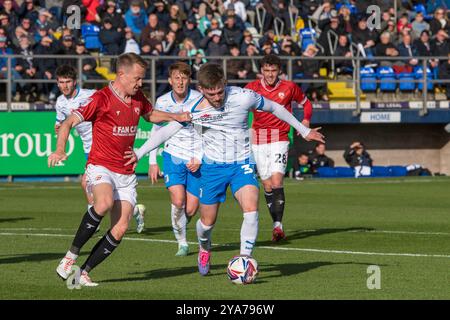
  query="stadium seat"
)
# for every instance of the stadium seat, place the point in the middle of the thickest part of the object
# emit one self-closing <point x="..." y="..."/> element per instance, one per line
<point x="418" y="71"/>
<point x="398" y="171"/>
<point x="421" y="8"/>
<point x="368" y="80"/>
<point x="379" y="171"/>
<point x="90" y="33"/>
<point x="307" y="37"/>
<point x="406" y="81"/>
<point x="344" y="172"/>
<point x="387" y="77"/>
<point x="326" y="172"/>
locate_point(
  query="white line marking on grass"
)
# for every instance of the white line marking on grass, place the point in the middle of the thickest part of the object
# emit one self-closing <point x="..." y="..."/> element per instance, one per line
<point x="416" y="255"/>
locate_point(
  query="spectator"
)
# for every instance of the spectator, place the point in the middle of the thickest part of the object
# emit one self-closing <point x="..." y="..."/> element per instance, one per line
<point x="46" y="20"/>
<point x="131" y="44"/>
<point x="214" y="6"/>
<point x="67" y="47"/>
<point x="406" y="49"/>
<point x="175" y="14"/>
<point x="330" y="27"/>
<point x="310" y="69"/>
<point x="419" y="25"/>
<point x="238" y="7"/>
<point x="46" y="68"/>
<point x="5" y="50"/>
<point x="28" y="10"/>
<point x="343" y="50"/>
<point x="231" y="33"/>
<point x="136" y="19"/>
<point x="364" y="38"/>
<point x="169" y="44"/>
<point x="109" y="10"/>
<point x="386" y="49"/>
<point x="176" y="29"/>
<point x="213" y="44"/>
<point x="423" y="46"/>
<point x="358" y="158"/>
<point x="393" y="34"/>
<point x="237" y="68"/>
<point x="10" y="12"/>
<point x="302" y="167"/>
<point x="323" y="12"/>
<point x="247" y="39"/>
<point x="252" y="64"/>
<point x="111" y="39"/>
<point x="403" y="22"/>
<point x="27" y="68"/>
<point x="440" y="47"/>
<point x="88" y="64"/>
<point x="439" y="21"/>
<point x="153" y="33"/>
<point x="190" y="31"/>
<point x="161" y="13"/>
<point x="318" y="158"/>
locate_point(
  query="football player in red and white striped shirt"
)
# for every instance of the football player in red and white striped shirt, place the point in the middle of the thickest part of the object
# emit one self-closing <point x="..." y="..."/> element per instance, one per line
<point x="114" y="112"/>
<point x="270" y="143"/>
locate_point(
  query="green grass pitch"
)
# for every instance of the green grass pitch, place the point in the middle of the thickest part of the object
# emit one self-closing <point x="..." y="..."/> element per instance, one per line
<point x="336" y="229"/>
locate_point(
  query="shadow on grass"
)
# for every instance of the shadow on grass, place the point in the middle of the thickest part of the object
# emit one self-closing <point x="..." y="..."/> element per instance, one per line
<point x="32" y="257"/>
<point x="296" y="235"/>
<point x="149" y="231"/>
<point x="289" y="269"/>
<point x="276" y="270"/>
<point x="3" y="220"/>
<point x="168" y="273"/>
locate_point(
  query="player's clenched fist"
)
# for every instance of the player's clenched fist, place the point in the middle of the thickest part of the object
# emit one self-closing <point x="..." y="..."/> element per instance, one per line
<point x="193" y="165"/>
<point x="183" y="117"/>
<point x="56" y="157"/>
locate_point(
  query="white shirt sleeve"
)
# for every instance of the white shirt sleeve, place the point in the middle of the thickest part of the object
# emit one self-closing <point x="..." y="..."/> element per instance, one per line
<point x="60" y="117"/>
<point x="153" y="153"/>
<point x="283" y="114"/>
<point x="157" y="138"/>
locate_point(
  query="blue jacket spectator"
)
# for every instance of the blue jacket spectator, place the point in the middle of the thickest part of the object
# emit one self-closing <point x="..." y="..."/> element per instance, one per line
<point x="136" y="18"/>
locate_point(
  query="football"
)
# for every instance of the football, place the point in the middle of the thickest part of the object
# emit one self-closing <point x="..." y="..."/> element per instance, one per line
<point x="242" y="270"/>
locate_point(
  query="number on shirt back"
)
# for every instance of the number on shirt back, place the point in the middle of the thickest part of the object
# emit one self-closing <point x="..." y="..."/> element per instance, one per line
<point x="247" y="169"/>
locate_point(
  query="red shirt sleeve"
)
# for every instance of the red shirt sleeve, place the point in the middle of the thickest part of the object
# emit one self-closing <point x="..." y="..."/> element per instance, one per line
<point x="301" y="98"/>
<point x="89" y="111"/>
<point x="146" y="105"/>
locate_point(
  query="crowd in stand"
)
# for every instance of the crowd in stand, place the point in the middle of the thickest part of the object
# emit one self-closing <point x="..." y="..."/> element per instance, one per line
<point x="198" y="29"/>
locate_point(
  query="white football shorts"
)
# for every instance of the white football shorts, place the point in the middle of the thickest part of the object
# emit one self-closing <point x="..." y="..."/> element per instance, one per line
<point x="271" y="158"/>
<point x="124" y="185"/>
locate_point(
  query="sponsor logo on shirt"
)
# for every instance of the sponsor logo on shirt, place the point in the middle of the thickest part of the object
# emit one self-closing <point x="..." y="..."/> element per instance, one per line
<point x="136" y="109"/>
<point x="209" y="117"/>
<point x="124" y="131"/>
<point x="281" y="95"/>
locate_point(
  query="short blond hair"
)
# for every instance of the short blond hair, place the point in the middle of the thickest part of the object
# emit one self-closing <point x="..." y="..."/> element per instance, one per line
<point x="127" y="60"/>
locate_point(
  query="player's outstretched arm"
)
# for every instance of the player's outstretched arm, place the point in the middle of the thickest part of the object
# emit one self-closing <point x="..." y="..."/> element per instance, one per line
<point x="281" y="113"/>
<point x="153" y="168"/>
<point x="153" y="142"/>
<point x="63" y="135"/>
<point x="157" y="116"/>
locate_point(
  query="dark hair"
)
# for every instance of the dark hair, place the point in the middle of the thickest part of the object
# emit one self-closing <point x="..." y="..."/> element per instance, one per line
<point x="271" y="59"/>
<point x="66" y="71"/>
<point x="210" y="76"/>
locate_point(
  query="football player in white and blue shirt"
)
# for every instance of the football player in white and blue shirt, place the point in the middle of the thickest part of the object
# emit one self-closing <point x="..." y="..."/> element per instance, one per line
<point x="182" y="155"/>
<point x="72" y="98"/>
<point x="221" y="116"/>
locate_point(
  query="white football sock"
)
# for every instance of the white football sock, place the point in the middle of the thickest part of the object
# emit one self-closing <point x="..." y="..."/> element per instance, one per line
<point x="179" y="224"/>
<point x="278" y="224"/>
<point x="71" y="255"/>
<point x="249" y="232"/>
<point x="204" y="235"/>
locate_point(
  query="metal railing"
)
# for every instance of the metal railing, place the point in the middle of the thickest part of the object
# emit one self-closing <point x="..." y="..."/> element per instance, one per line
<point x="153" y="81"/>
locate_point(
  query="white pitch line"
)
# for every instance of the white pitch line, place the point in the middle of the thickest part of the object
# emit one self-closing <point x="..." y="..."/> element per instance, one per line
<point x="416" y="255"/>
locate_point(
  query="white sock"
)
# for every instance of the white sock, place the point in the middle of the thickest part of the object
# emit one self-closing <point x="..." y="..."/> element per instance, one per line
<point x="179" y="224"/>
<point x="135" y="211"/>
<point x="204" y="235"/>
<point x="89" y="206"/>
<point x="71" y="255"/>
<point x="278" y="224"/>
<point x="249" y="232"/>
